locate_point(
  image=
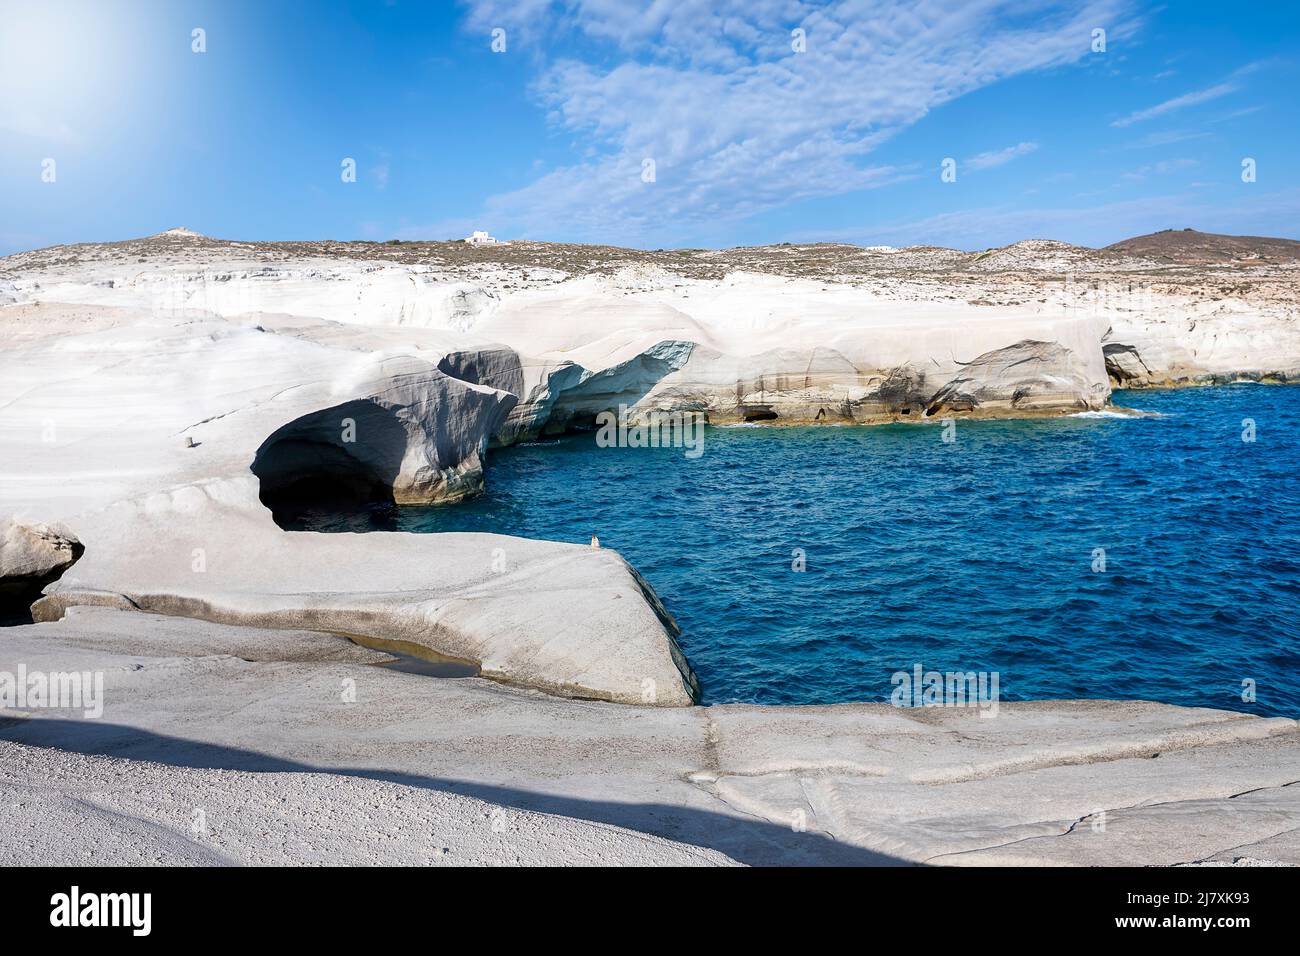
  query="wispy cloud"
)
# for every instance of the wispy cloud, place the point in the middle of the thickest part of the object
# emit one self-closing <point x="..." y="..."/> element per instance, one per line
<point x="1237" y="114"/>
<point x="1267" y="214"/>
<point x="1162" y="168"/>
<point x="999" y="157"/>
<point x="735" y="119"/>
<point x="1178" y="103"/>
<point x="1165" y="138"/>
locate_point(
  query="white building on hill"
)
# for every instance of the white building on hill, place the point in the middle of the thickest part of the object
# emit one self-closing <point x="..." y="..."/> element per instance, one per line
<point x="481" y="238"/>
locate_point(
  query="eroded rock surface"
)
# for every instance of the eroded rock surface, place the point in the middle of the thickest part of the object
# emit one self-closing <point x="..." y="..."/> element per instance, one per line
<point x="163" y="441"/>
<point x="162" y="398"/>
<point x="33" y="551"/>
<point x="142" y="813"/>
<point x="1053" y="782"/>
<point x="31" y="556"/>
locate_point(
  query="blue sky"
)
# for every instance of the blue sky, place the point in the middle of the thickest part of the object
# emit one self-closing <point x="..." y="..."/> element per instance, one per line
<point x="752" y="142"/>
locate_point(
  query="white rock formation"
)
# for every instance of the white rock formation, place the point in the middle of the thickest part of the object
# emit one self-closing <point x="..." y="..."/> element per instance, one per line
<point x="762" y="347"/>
<point x="160" y="399"/>
<point x="31" y="556"/>
<point x="749" y="346"/>
<point x="180" y="529"/>
<point x="159" y="394"/>
<point x="1054" y="782"/>
<point x="34" y="551"/>
<point x="140" y="813"/>
<point x="1190" y="339"/>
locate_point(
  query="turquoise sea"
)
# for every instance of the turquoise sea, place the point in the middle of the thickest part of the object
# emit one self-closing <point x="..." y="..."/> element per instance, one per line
<point x="1090" y="556"/>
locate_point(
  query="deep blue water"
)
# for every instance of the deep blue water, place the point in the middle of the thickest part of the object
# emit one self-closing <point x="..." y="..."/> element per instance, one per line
<point x="974" y="556"/>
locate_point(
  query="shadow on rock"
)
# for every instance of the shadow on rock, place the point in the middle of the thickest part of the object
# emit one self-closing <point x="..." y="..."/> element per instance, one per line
<point x="747" y="840"/>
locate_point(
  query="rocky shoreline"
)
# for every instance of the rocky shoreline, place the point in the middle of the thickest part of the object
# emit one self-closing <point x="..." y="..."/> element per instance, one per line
<point x="198" y="713"/>
<point x="161" y="395"/>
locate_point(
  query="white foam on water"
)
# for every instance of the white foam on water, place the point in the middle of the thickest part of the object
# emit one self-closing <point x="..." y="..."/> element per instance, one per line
<point x="1127" y="413"/>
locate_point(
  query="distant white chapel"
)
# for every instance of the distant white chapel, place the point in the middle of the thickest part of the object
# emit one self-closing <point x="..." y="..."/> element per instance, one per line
<point x="481" y="238"/>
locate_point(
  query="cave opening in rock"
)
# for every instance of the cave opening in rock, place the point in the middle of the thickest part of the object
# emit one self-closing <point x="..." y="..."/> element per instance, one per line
<point x="17" y="595"/>
<point x="335" y="483"/>
<point x="586" y="421"/>
<point x="342" y="459"/>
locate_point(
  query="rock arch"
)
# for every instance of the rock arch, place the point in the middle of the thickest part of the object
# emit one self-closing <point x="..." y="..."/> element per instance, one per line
<point x="347" y="455"/>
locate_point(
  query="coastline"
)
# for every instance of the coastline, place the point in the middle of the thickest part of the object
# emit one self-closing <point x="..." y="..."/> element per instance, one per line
<point x="588" y="713"/>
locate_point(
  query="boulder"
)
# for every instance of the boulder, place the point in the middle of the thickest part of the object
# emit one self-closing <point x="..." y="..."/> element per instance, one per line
<point x="34" y="552"/>
<point x="31" y="556"/>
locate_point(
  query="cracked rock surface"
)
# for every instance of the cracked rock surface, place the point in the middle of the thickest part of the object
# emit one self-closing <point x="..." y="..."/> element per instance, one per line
<point x="1055" y="782"/>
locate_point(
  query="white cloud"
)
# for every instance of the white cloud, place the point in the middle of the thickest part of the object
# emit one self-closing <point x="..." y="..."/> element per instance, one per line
<point x="999" y="156"/>
<point x="735" y="120"/>
<point x="985" y="227"/>
<point x="1177" y="103"/>
<point x="1237" y="114"/>
<point x="1162" y="168"/>
<point x="1273" y="214"/>
<point x="1165" y="138"/>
